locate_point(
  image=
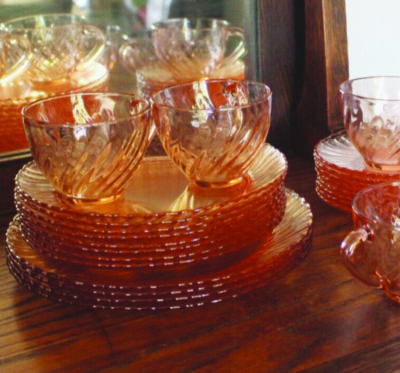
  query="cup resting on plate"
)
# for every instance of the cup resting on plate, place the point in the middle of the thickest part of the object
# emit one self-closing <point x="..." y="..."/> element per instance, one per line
<point x="196" y="47"/>
<point x="371" y="112"/>
<point x="213" y="129"/>
<point x="88" y="144"/>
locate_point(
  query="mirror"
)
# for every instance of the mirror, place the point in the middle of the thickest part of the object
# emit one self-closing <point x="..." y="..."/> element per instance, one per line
<point x="131" y="16"/>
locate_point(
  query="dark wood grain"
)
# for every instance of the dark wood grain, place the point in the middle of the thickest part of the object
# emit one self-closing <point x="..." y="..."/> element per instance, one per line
<point x="303" y="58"/>
<point x="278" y="45"/>
<point x="325" y="67"/>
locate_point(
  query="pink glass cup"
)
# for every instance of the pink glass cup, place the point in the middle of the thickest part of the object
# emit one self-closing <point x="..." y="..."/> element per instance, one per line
<point x="371" y="112"/>
<point x="213" y="129"/>
<point x="371" y="252"/>
<point x="88" y="145"/>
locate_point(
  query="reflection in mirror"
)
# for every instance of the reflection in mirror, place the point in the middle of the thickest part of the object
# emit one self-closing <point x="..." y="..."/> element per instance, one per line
<point x="130" y="16"/>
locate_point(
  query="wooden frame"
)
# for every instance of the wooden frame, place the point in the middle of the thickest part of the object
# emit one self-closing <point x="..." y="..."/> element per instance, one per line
<point x="303" y="46"/>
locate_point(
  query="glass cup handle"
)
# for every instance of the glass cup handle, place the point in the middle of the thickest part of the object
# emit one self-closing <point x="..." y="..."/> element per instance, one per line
<point x="240" y="49"/>
<point x="23" y="60"/>
<point x="98" y="49"/>
<point x="348" y="253"/>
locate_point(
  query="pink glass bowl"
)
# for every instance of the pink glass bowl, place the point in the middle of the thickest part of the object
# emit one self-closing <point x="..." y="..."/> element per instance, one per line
<point x="213" y="130"/>
<point x="88" y="145"/>
<point x="371" y="111"/>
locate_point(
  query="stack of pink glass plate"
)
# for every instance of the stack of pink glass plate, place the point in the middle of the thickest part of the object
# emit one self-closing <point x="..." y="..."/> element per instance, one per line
<point x="159" y="246"/>
<point x="342" y="172"/>
<point x="158" y="223"/>
<point x="127" y="289"/>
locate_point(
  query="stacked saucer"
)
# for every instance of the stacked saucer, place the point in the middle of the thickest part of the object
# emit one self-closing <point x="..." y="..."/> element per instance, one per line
<point x="160" y="245"/>
<point x="342" y="172"/>
<point x="159" y="223"/>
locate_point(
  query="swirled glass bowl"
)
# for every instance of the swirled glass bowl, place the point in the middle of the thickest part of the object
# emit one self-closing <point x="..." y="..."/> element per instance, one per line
<point x="88" y="144"/>
<point x="213" y="130"/>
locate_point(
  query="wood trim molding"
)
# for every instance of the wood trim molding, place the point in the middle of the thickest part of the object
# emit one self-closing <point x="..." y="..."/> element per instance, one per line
<point x="326" y="66"/>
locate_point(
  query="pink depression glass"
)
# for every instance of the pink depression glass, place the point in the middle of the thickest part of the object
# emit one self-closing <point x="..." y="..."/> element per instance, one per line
<point x="138" y="57"/>
<point x="88" y="145"/>
<point x="14" y="53"/>
<point x="371" y="111"/>
<point x="196" y="47"/>
<point x="213" y="129"/>
<point x="371" y="252"/>
<point x="60" y="44"/>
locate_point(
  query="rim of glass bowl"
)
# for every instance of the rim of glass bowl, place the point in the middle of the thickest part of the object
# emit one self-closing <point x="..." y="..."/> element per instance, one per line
<point x="267" y="95"/>
<point x="15" y="23"/>
<point x="349" y="83"/>
<point x="26" y="108"/>
<point x="361" y="194"/>
<point x="190" y="21"/>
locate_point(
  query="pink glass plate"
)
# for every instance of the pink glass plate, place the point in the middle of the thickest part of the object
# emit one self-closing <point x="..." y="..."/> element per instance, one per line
<point x="342" y="173"/>
<point x="273" y="196"/>
<point x="126" y="289"/>
<point x="152" y="198"/>
<point x="145" y="252"/>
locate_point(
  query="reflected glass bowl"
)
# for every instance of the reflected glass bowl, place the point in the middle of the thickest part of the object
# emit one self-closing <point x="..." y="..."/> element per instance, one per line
<point x="196" y="47"/>
<point x="60" y="44"/>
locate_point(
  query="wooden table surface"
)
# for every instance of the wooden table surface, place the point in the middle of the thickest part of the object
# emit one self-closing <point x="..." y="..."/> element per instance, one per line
<point x="315" y="319"/>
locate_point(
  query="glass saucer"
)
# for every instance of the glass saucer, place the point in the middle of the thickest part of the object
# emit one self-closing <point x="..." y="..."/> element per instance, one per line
<point x="143" y="239"/>
<point x="157" y="200"/>
<point x="262" y="214"/>
<point x="12" y="134"/>
<point x="134" y="253"/>
<point x="342" y="172"/>
<point x="158" y="194"/>
<point x="142" y="223"/>
<point x="152" y="289"/>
